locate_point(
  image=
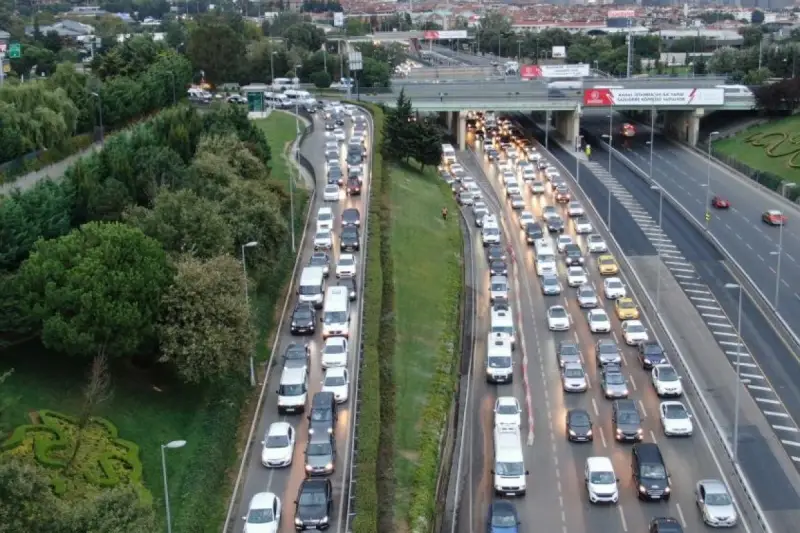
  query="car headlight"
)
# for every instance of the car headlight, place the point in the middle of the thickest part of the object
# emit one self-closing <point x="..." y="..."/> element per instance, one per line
<point x="324" y="520"/>
<point x="619" y="431"/>
<point x="294" y="324"/>
<point x="309" y="468"/>
<point x="298" y="521"/>
<point x="330" y="430"/>
<point x="589" y="433"/>
<point x="571" y="432"/>
<point x="667" y="490"/>
<point x="642" y="489"/>
<point x="310" y="431"/>
<point x="639" y="431"/>
<point x="329" y="467"/>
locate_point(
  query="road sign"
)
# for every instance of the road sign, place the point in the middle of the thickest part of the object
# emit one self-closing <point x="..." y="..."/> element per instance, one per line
<point x="355" y="61"/>
<point x="15" y="50"/>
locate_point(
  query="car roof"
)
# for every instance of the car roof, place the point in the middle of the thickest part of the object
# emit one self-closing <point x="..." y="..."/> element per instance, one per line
<point x="335" y="371"/>
<point x="713" y="485"/>
<point x="293" y="374"/>
<point x="315" y="484"/>
<point x="262" y="500"/>
<point x="319" y="437"/>
<point x="279" y="428"/>
<point x="336" y="340"/>
<point x="503" y="506"/>
<point x="626" y="404"/>
<point x="599" y="463"/>
<point x="573" y="366"/>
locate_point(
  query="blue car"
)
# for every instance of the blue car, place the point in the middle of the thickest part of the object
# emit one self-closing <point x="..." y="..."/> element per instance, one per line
<point x="502" y="518"/>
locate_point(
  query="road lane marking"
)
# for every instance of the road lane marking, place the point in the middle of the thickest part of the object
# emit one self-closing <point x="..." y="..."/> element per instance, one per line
<point x="594" y="405"/>
<point x="684" y="276"/>
<point x="653" y="437"/>
<point x="759" y="387"/>
<point x="718" y="325"/>
<point x="790" y="443"/>
<point x="696" y="291"/>
<point x="712" y="315"/>
<point x="680" y="515"/>
<point x="622" y="518"/>
<point x="790" y="429"/>
<point x="767" y="400"/>
<point x="702" y="299"/>
<point x="603" y="438"/>
<point x="644" y="411"/>
<point x="776" y="413"/>
<point x="724" y="333"/>
<point x="692" y="283"/>
<point x="751" y="376"/>
<point x="633" y="383"/>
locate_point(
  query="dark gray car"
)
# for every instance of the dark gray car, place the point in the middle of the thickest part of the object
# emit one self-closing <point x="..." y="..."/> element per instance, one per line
<point x="626" y="421"/>
<point x="320" y="454"/>
<point x="568" y="352"/>
<point x="606" y="352"/>
<point x="323" y="414"/>
<point x="573" y="255"/>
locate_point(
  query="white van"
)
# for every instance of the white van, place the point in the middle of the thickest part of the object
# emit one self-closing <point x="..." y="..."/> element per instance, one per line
<point x="293" y="390"/>
<point x="312" y="286"/>
<point x="509" y="464"/>
<point x="325" y="219"/>
<point x="281" y="84"/>
<point x="196" y="94"/>
<point x="499" y="363"/>
<point x="503" y="322"/>
<point x="490" y="233"/>
<point x="544" y="246"/>
<point x="448" y="154"/>
<point x="301" y="97"/>
<point x="336" y="313"/>
<point x="601" y="481"/>
<point x="498" y="288"/>
<point x="277" y="100"/>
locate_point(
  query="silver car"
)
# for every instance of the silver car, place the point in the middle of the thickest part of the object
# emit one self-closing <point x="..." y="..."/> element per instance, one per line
<point x="715" y="503"/>
<point x="613" y="383"/>
<point x="517" y="202"/>
<point x="573" y="378"/>
<point x="320" y="454"/>
<point x="606" y="352"/>
<point x="550" y="285"/>
<point x="567" y="353"/>
<point x="587" y="297"/>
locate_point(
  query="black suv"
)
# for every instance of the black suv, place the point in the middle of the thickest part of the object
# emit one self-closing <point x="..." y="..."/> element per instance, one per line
<point x="351" y="217"/>
<point x="573" y="255"/>
<point x="650" y="354"/>
<point x="296" y="355"/>
<point x="665" y="525"/>
<point x="353" y="187"/>
<point x="650" y="472"/>
<point x="313" y="505"/>
<point x="304" y="319"/>
<point x="626" y="421"/>
<point x="533" y="231"/>
<point x="323" y="415"/>
<point x="348" y="242"/>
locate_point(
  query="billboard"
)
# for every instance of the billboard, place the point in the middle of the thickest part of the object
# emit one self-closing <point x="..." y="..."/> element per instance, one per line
<point x="529" y="72"/>
<point x="600" y="97"/>
<point x="621" y="14"/>
<point x="559" y="52"/>
<point x="338" y="19"/>
<point x="432" y="35"/>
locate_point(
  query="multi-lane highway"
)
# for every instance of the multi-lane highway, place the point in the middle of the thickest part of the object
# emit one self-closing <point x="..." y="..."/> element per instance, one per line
<point x="556" y="498"/>
<point x="285" y="482"/>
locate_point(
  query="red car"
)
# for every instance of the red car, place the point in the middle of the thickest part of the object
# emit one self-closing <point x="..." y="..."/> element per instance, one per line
<point x="773" y="217"/>
<point x="720" y="202"/>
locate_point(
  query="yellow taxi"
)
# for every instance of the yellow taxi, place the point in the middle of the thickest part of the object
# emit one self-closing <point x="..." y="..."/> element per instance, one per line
<point x="626" y="309"/>
<point x="607" y="265"/>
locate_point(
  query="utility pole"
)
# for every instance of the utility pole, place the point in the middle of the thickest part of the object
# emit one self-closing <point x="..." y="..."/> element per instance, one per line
<point x="630" y="47"/>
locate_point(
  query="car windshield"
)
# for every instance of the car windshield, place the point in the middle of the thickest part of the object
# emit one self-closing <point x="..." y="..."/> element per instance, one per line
<point x="602" y="478"/>
<point x="334" y="381"/>
<point x="302" y="314"/>
<point x="503" y="520"/>
<point x="507" y="409"/>
<point x="491" y="231"/>
<point x="350" y="216"/>
<point x="333" y="348"/>
<point x="331" y="188"/>
<point x="586" y="293"/>
<point x="614" y="378"/>
<point x="600" y="316"/>
<point x="509" y="469"/>
<point x="324" y="235"/>
<point x="579" y="420"/>
<point x="628" y="417"/>
<point x="507" y="330"/>
<point x="608" y="348"/>
<point x="635" y="328"/>
<point x="292" y="390"/>
<point x="310" y="290"/>
<point x="350" y="233"/>
<point x="667" y="374"/>
<point x="260" y="516"/>
<point x="717" y="498"/>
<point x="321" y="414"/>
<point x="626" y="305"/>
<point x="652" y="471"/>
<point x="569" y="349"/>
<point x="558" y="312"/>
<point x="675" y="412"/>
<point x="652" y="349"/>
<point x="312" y="497"/>
<point x="347" y="261"/>
<point x="277" y="441"/>
<point x="575" y="272"/>
<point x="335" y="317"/>
<point x="318" y="260"/>
<point x="573" y="373"/>
<point x="498" y="287"/>
<point x="573" y="250"/>
<point x="319" y="448"/>
<point x="499" y="361"/>
<point x="546" y="258"/>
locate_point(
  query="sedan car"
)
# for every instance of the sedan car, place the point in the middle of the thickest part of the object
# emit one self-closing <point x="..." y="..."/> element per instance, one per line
<point x="596" y="244"/>
<point x="351" y="217"/>
<point x="575" y="209"/>
<point x="323" y="240"/>
<point x="562" y="241"/>
<point x="562" y="195"/>
<point x="720" y="203"/>
<point x="773" y="217"/>
<point x="614" y="288"/>
<point x="598" y="321"/>
<point x="568" y="352"/>
<point x="533" y="232"/>
<point x="576" y="276"/>
<point x="606" y="352"/>
<point x="607" y="265"/>
<point x="320" y="454"/>
<point x="675" y="419"/>
<point x="331" y="193"/>
<point x="558" y="318"/>
<point x="277" y="448"/>
<point x="339" y="135"/>
<point x="586" y="296"/>
<point x="498" y="267"/>
<point x="334" y="352"/>
<point x="634" y="332"/>
<point x="337" y="381"/>
<point x="537" y="187"/>
<point x="666" y="381"/>
<point x="549" y="211"/>
<point x="263" y="513"/>
<point x="525" y="218"/>
<point x="304" y="319"/>
<point x="715" y="503"/>
<point x="517" y="202"/>
<point x="579" y="426"/>
<point x="550" y="285"/>
<point x="582" y="226"/>
<point x="612" y="381"/>
<point x="296" y="355"/>
<point x="573" y="378"/>
<point x="507" y="412"/>
<point x="479" y="210"/>
<point x="314" y="504"/>
<point x="555" y="224"/>
<point x="502" y="518"/>
<point x="626" y="309"/>
<point x="495" y="252"/>
<point x="651" y="354"/>
<point x="346" y="267"/>
<point x="573" y="255"/>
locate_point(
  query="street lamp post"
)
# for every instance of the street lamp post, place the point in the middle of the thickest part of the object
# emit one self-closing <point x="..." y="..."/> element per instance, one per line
<point x="100" y="109"/>
<point x="738" y="372"/>
<point x="779" y="253"/>
<point x="610" y="149"/>
<point x="652" y="138"/>
<point x="291" y="179"/>
<point x="272" y="65"/>
<point x="175" y="444"/>
<point x="251" y="244"/>
<point x="660" y="219"/>
<point x="708" y="178"/>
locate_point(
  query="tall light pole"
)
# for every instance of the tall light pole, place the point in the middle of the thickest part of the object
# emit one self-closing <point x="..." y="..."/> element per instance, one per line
<point x="296" y="157"/>
<point x="779" y="253"/>
<point x="175" y="444"/>
<point x="100" y="108"/>
<point x="610" y="149"/>
<point x="652" y="138"/>
<point x="708" y="178"/>
<point x="251" y="244"/>
<point x="660" y="219"/>
<point x="738" y="372"/>
<point x="272" y="65"/>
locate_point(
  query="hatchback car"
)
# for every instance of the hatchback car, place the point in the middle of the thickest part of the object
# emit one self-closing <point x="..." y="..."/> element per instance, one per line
<point x="576" y="276"/>
<point x="351" y="217"/>
<point x="507" y="412"/>
<point x="625" y="309"/>
<point x="573" y="255"/>
<point x="304" y="319"/>
<point x="320" y="454"/>
<point x="502" y="518"/>
<point x="550" y="285"/>
<point x="498" y="268"/>
<point x="533" y="232"/>
<point x="598" y="321"/>
<point x="606" y="352"/>
<point x="666" y="381"/>
<point x="337" y="382"/>
<point x="596" y="244"/>
<point x="675" y="419"/>
<point x="277" y="448"/>
<point x="586" y="296"/>
<point x="263" y="513"/>
<point x="613" y="288"/>
<point x="331" y="193"/>
<point x="612" y="381"/>
<point x="558" y="318"/>
<point x="296" y="355"/>
<point x="634" y="332"/>
<point x="651" y="353"/>
<point x="334" y="352"/>
<point x="573" y="378"/>
<point x="582" y="226"/>
<point x="579" y="426"/>
<point x="495" y="252"/>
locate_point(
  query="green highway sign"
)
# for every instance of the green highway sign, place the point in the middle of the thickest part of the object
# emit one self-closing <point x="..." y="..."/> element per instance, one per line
<point x="14" y="50"/>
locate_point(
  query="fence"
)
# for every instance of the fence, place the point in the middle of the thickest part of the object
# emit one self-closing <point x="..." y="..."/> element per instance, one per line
<point x="301" y="159"/>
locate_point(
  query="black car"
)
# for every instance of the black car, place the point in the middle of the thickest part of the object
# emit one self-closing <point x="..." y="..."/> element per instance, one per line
<point x="352" y="288"/>
<point x="492" y="154"/>
<point x="533" y="231"/>
<point x="335" y="175"/>
<point x="573" y="255"/>
<point x="650" y="354"/>
<point x="665" y="524"/>
<point x="495" y="252"/>
<point x="321" y="259"/>
<point x="579" y="426"/>
<point x="339" y="121"/>
<point x="348" y="241"/>
<point x="323" y="413"/>
<point x="296" y="355"/>
<point x="353" y="187"/>
<point x="354" y="159"/>
<point x="555" y="225"/>
<point x="304" y="319"/>
<point x="498" y="268"/>
<point x="313" y="505"/>
<point x="626" y="421"/>
<point x="351" y="217"/>
<point x="650" y="472"/>
<point x="330" y="126"/>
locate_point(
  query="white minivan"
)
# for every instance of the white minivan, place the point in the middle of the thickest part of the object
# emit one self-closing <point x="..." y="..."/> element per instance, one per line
<point x="312" y="286"/>
<point x="293" y="390"/>
<point x="601" y="481"/>
<point x="509" y="465"/>
<point x="336" y="313"/>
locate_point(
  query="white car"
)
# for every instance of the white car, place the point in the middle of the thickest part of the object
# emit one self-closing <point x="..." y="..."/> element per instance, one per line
<point x="583" y="226"/>
<point x="558" y="318"/>
<point x="346" y="267"/>
<point x="323" y="240"/>
<point x="666" y="381"/>
<point x="277" y="448"/>
<point x="339" y="135"/>
<point x="477" y="193"/>
<point x="614" y="288"/>
<point x="546" y="264"/>
<point x="507" y="176"/>
<point x="576" y="276"/>
<point x="575" y="209"/>
<point x="548" y="212"/>
<point x="598" y="321"/>
<point x="525" y="218"/>
<point x="517" y="202"/>
<point x="325" y="218"/>
<point x="334" y="353"/>
<point x="528" y="174"/>
<point x="537" y="187"/>
<point x="512" y="187"/>
<point x="331" y="193"/>
<point x="337" y="381"/>
<point x="634" y="332"/>
<point x="263" y="513"/>
<point x="562" y="241"/>
<point x="507" y="412"/>
<point x="552" y="173"/>
<point x="596" y="244"/>
<point x="331" y="146"/>
<point x="675" y="419"/>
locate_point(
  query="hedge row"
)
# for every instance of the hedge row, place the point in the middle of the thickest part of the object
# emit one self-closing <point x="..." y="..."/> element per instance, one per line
<point x="441" y="394"/>
<point x="368" y="430"/>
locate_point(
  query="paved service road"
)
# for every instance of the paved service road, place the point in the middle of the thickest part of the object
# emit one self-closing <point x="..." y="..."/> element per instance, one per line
<point x="556" y="498"/>
<point x="285" y="482"/>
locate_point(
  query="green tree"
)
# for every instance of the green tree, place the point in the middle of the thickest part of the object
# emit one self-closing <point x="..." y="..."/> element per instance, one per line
<point x="375" y="73"/>
<point x="398" y="131"/>
<point x="427" y="143"/>
<point x="751" y="35"/>
<point x="183" y="222"/>
<point x="321" y="80"/>
<point x="205" y="328"/>
<point x="304" y="35"/>
<point x="355" y="27"/>
<point x="28" y="503"/>
<point x="117" y="509"/>
<point x="236" y="154"/>
<point x="95" y="289"/>
<point x="217" y="49"/>
<point x="129" y="58"/>
<point x="757" y="17"/>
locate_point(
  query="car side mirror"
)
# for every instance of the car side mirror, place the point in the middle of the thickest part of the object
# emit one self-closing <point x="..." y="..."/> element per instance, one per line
<point x="527" y="473"/>
<point x="244" y="518"/>
<point x="262" y="442"/>
<point x="617" y="480"/>
<point x="492" y="471"/>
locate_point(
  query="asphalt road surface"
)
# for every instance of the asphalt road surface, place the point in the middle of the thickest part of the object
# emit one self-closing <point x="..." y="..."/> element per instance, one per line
<point x="771" y="367"/>
<point x="285" y="482"/>
<point x="556" y="498"/>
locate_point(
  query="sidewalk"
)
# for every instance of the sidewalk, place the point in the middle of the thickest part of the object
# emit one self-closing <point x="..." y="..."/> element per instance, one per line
<point x="54" y="171"/>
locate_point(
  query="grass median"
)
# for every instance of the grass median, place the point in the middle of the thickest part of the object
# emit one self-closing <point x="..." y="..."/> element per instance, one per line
<point x="280" y="128"/>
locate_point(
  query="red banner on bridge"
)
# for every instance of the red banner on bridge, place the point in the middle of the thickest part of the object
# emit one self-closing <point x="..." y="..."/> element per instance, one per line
<point x="603" y="97"/>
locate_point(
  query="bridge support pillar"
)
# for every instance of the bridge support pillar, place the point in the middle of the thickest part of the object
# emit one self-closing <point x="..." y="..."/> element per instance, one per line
<point x="683" y="126"/>
<point x="568" y="125"/>
<point x="461" y="133"/>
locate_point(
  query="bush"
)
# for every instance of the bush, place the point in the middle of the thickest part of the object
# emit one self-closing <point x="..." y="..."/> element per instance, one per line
<point x="321" y="80"/>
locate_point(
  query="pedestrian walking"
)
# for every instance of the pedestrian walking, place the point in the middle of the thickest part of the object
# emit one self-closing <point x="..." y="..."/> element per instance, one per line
<point x="444" y="213"/>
